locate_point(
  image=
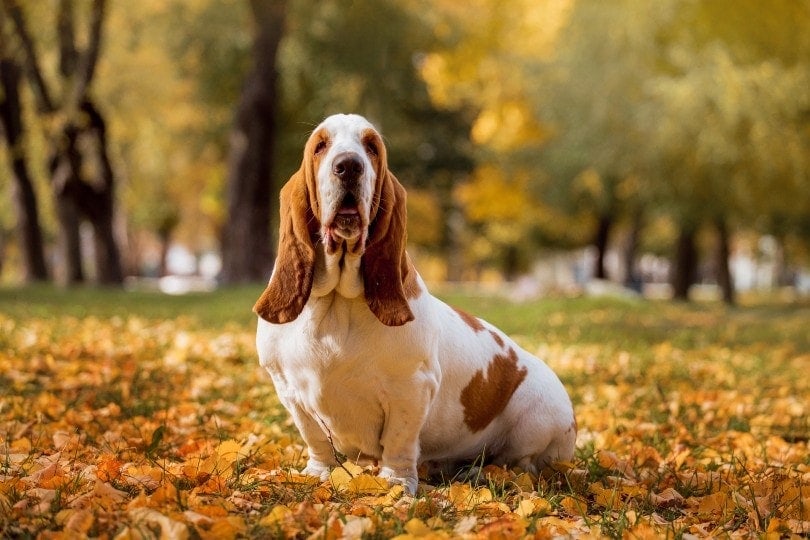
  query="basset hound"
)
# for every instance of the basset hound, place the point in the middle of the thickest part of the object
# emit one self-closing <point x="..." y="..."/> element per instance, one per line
<point x="368" y="363"/>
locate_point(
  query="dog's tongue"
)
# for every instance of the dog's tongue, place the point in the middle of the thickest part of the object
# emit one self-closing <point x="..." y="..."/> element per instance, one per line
<point x="348" y="211"/>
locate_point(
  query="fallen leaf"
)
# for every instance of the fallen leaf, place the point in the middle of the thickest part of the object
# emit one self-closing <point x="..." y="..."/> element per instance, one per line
<point x="669" y="498"/>
<point x="149" y="518"/>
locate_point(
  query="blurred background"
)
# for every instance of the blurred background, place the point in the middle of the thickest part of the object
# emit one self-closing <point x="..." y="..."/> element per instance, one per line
<point x="661" y="147"/>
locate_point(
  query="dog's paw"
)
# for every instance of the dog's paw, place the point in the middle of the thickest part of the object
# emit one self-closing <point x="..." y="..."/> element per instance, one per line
<point x="406" y="477"/>
<point x="317" y="469"/>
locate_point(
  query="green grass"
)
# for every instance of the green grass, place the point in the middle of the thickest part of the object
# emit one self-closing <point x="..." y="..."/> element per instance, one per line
<point x="226" y="306"/>
<point x="636" y="324"/>
<point x="619" y="324"/>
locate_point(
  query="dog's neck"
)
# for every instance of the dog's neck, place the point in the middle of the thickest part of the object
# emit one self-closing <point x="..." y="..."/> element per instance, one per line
<point x="338" y="271"/>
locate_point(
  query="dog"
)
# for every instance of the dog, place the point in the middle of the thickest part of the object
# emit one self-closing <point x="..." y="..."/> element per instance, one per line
<point x="367" y="362"/>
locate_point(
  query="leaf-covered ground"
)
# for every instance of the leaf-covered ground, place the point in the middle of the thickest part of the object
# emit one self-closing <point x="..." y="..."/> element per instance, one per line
<point x="136" y="417"/>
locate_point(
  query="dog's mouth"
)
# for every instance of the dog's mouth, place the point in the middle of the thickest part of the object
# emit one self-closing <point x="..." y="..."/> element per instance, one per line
<point x="347" y="224"/>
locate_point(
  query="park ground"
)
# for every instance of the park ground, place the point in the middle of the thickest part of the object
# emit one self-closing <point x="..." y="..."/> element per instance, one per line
<point x="139" y="415"/>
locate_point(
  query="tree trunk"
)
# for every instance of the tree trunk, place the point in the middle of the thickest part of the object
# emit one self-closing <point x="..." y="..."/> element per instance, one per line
<point x="29" y="232"/>
<point x="511" y="263"/>
<point x="724" y="277"/>
<point x="247" y="245"/>
<point x="101" y="210"/>
<point x="685" y="265"/>
<point x="601" y="238"/>
<point x="453" y="224"/>
<point x="67" y="213"/>
<point x="631" y="278"/>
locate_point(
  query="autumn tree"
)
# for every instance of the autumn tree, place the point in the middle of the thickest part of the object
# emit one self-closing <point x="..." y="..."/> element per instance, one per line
<point x="485" y="60"/>
<point x="728" y="122"/>
<point x="82" y="178"/>
<point x="590" y="93"/>
<point x="29" y="231"/>
<point x="247" y="249"/>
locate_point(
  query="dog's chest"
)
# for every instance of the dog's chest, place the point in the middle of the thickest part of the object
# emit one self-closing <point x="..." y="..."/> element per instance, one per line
<point x="336" y="365"/>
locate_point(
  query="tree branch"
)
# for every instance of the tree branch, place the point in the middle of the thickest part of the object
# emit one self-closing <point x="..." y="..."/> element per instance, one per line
<point x="43" y="96"/>
<point x="89" y="59"/>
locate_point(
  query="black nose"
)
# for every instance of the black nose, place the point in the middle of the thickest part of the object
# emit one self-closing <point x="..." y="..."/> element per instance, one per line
<point x="348" y="168"/>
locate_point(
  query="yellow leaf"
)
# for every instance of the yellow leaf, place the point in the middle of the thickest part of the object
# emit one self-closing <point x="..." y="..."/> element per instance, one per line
<point x="525" y="508"/>
<point x="535" y="506"/>
<point x="525" y="482"/>
<point x="229" y="452"/>
<point x="367" y="484"/>
<point x="276" y="516"/>
<point x="460" y="494"/>
<point x="224" y="529"/>
<point x="606" y="498"/>
<point x="340" y="478"/>
<point x="712" y="504"/>
<point x="574" y="507"/>
<point x="417" y="527"/>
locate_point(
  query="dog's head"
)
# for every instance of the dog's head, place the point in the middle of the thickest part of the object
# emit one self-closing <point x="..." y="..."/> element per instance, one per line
<point x="344" y="197"/>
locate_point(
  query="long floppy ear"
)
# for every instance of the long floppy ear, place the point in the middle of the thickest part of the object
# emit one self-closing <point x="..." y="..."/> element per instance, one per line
<point x="384" y="263"/>
<point x="291" y="282"/>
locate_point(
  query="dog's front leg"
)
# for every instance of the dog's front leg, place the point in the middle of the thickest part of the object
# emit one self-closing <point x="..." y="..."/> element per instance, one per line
<point x="400" y="437"/>
<point x="321" y="453"/>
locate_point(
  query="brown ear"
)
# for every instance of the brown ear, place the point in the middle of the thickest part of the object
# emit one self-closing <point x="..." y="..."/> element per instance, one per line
<point x="291" y="282"/>
<point x="384" y="262"/>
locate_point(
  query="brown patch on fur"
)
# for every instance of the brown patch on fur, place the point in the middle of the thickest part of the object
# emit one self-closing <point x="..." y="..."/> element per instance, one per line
<point x="497" y="337"/>
<point x="485" y="397"/>
<point x="291" y="282"/>
<point x="469" y="320"/>
<point x="384" y="259"/>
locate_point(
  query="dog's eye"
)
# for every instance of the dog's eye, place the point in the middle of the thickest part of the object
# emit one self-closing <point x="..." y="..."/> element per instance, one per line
<point x="371" y="148"/>
<point x="320" y="147"/>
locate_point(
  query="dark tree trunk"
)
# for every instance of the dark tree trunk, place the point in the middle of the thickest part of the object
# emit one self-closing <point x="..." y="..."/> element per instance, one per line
<point x="70" y="241"/>
<point x="603" y="227"/>
<point x="685" y="265"/>
<point x="29" y="232"/>
<point x="64" y="161"/>
<point x="631" y="279"/>
<point x="100" y="203"/>
<point x="247" y="245"/>
<point x="724" y="277"/>
<point x="511" y="263"/>
<point x="451" y="247"/>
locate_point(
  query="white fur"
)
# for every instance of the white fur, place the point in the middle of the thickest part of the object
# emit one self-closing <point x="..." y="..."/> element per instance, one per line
<point x="345" y="138"/>
<point x="393" y="394"/>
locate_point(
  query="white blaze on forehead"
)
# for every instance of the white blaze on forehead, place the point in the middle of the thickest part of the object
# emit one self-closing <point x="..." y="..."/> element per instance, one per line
<point x="345" y="135"/>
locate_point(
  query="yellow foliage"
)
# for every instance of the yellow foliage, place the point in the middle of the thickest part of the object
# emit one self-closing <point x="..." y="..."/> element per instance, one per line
<point x="507" y="126"/>
<point x="490" y="196"/>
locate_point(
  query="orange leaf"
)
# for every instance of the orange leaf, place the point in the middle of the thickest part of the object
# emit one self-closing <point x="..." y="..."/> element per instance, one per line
<point x="574" y="507"/>
<point x="108" y="468"/>
<point x="505" y="528"/>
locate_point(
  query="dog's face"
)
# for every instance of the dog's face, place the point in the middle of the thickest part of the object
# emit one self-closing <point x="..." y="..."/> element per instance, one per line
<point x="348" y="156"/>
<point x="345" y="198"/>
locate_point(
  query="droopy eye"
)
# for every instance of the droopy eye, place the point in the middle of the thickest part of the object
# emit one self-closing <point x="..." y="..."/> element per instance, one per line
<point x="320" y="147"/>
<point x="371" y="148"/>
